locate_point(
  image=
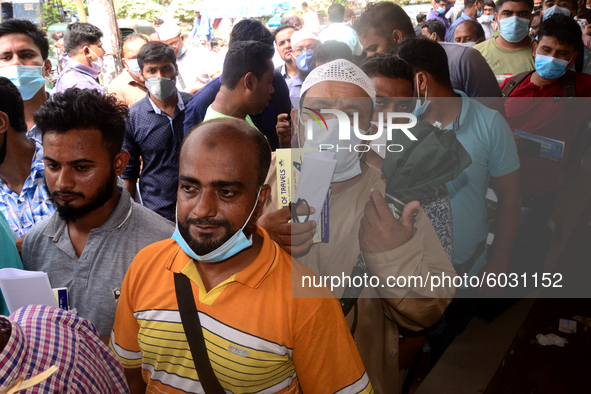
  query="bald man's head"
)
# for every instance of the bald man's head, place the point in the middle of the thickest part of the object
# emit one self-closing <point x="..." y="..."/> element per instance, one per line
<point x="231" y="134"/>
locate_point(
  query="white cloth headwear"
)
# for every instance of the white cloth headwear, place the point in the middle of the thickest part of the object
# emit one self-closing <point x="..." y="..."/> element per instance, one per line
<point x="339" y="70"/>
<point x="303" y="34"/>
<point x="168" y="30"/>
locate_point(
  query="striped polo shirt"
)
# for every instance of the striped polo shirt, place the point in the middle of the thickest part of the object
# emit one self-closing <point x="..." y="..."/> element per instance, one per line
<point x="259" y="339"/>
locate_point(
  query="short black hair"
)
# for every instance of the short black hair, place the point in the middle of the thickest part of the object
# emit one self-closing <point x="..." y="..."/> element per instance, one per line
<point x="12" y="105"/>
<point x="153" y="52"/>
<point x="529" y="3"/>
<point x="490" y="3"/>
<point x="280" y="28"/>
<point x="28" y="28"/>
<point x="420" y="18"/>
<point x="85" y="109"/>
<point x="435" y="26"/>
<point x="564" y="28"/>
<point x="251" y="30"/>
<point x="291" y="20"/>
<point x="214" y="42"/>
<point x="336" y="13"/>
<point x="80" y="34"/>
<point x="132" y="37"/>
<point x="244" y="57"/>
<point x="426" y="55"/>
<point x="469" y="3"/>
<point x="477" y="26"/>
<point x="332" y="50"/>
<point x="234" y="126"/>
<point x="384" y="17"/>
<point x="304" y="4"/>
<point x="387" y="65"/>
<point x="159" y="21"/>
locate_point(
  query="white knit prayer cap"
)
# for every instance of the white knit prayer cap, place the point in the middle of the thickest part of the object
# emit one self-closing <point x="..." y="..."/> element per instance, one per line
<point x="339" y="70"/>
<point x="168" y="30"/>
<point x="303" y="34"/>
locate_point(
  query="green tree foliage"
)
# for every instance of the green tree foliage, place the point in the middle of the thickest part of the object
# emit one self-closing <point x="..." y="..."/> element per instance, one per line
<point x="51" y="15"/>
<point x="184" y="10"/>
<point x="146" y="10"/>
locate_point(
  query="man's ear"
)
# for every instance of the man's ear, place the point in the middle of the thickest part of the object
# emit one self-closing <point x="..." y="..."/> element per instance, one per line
<point x="4" y="122"/>
<point x="265" y="193"/>
<point x="396" y="37"/>
<point x="47" y="68"/>
<point x="120" y="162"/>
<point x="535" y="48"/>
<point x="575" y="55"/>
<point x="249" y="81"/>
<point x="423" y="79"/>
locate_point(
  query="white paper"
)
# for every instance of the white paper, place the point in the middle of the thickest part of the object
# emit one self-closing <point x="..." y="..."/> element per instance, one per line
<point x="21" y="288"/>
<point x="315" y="177"/>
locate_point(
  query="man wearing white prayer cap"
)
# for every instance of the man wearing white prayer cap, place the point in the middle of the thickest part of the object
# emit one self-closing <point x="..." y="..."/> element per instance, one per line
<point x="360" y="221"/>
<point x="303" y="43"/>
<point x="194" y="72"/>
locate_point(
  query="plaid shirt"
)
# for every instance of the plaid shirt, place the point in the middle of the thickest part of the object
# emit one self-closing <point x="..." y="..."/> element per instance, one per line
<point x="33" y="204"/>
<point x="43" y="336"/>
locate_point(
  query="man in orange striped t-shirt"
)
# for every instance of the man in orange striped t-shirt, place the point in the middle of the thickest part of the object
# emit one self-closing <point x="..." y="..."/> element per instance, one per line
<point x="258" y="338"/>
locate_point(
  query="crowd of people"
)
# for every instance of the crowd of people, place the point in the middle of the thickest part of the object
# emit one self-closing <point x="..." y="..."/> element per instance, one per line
<point x="155" y="202"/>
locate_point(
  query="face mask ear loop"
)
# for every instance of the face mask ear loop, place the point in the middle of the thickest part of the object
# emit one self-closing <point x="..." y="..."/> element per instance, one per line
<point x="256" y="202"/>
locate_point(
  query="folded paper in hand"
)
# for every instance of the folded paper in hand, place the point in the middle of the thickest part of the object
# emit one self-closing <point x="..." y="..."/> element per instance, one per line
<point x="317" y="171"/>
<point x="21" y="288"/>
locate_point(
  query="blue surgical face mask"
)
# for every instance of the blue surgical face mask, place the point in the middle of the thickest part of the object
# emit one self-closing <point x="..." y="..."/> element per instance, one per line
<point x="468" y="44"/>
<point x="28" y="79"/>
<point x="420" y="108"/>
<point x="305" y="62"/>
<point x="549" y="67"/>
<point x="555" y="10"/>
<point x="514" y="28"/>
<point x="236" y="244"/>
<point x="133" y="66"/>
<point x="440" y="11"/>
<point x="183" y="50"/>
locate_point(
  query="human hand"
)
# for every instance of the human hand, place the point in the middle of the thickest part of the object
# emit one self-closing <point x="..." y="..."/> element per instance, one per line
<point x="294" y="238"/>
<point x="380" y="231"/>
<point x="519" y="141"/>
<point x="284" y="130"/>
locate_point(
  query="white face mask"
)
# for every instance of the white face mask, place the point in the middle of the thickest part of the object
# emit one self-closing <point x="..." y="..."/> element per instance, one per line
<point x="348" y="162"/>
<point x="98" y="64"/>
<point x="133" y="66"/>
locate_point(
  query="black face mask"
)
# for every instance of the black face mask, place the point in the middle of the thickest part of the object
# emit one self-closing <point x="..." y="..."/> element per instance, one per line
<point x="537" y="8"/>
<point x="3" y="149"/>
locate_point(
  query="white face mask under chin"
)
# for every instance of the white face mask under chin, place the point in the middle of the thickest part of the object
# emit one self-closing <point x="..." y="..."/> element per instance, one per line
<point x="348" y="162"/>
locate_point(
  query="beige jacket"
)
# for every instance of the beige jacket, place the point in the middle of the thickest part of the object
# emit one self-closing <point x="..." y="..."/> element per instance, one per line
<point x="379" y="312"/>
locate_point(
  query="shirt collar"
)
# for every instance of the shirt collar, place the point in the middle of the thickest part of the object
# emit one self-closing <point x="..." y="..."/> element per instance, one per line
<point x="253" y="275"/>
<point x="130" y="81"/>
<point x="118" y="217"/>
<point x="180" y="104"/>
<point x="73" y="64"/>
<point x="455" y="125"/>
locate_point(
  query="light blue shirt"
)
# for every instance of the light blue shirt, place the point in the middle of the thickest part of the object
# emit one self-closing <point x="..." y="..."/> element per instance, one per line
<point x="488" y="139"/>
<point x="452" y="30"/>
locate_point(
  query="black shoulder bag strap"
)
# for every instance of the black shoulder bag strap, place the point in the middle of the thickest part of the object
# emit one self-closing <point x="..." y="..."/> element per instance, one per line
<point x="516" y="80"/>
<point x="194" y="333"/>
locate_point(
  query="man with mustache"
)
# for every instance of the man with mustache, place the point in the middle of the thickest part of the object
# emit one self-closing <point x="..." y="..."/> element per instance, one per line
<point x="259" y="338"/>
<point x="88" y="244"/>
